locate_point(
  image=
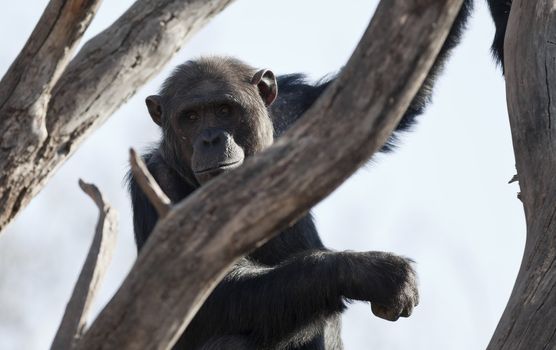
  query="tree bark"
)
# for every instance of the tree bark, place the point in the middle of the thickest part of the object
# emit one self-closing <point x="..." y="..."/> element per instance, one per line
<point x="191" y="249"/>
<point x="37" y="138"/>
<point x="529" y="321"/>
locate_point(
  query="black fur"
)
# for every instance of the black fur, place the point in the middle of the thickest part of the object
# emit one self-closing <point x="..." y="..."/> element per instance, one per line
<point x="289" y="293"/>
<point x="500" y="11"/>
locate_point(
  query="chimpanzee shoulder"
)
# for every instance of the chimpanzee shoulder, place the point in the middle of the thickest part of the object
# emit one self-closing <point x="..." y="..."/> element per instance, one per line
<point x="295" y="95"/>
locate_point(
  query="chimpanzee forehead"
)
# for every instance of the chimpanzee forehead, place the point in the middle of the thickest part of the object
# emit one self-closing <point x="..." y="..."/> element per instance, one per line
<point x="210" y="88"/>
<point x="211" y="91"/>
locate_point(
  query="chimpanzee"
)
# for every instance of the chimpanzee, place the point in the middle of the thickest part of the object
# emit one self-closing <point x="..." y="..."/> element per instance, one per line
<point x="288" y="294"/>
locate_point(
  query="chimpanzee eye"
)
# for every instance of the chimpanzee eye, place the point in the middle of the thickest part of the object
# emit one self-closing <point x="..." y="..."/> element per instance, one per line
<point x="190" y="115"/>
<point x="224" y="110"/>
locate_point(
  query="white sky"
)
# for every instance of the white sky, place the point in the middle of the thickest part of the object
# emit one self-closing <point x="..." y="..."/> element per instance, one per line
<point x="441" y="199"/>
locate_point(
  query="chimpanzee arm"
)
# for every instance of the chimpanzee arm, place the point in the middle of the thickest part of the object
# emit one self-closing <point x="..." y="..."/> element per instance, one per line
<point x="271" y="303"/>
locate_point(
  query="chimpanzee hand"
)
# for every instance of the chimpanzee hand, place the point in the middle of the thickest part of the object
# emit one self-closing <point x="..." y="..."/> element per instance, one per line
<point x="386" y="280"/>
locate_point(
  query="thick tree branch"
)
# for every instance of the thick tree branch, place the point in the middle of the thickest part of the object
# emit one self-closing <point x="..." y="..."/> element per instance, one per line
<point x="190" y="250"/>
<point x="93" y="271"/>
<point x="148" y="185"/>
<point x="26" y="87"/>
<point x="30" y="78"/>
<point x="529" y="321"/>
<point x="105" y="73"/>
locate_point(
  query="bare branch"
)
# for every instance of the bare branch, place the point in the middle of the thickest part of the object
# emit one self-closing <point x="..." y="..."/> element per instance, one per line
<point x="45" y="55"/>
<point x="25" y="88"/>
<point x="93" y="271"/>
<point x="529" y="321"/>
<point x="104" y="74"/>
<point x="148" y="184"/>
<point x="191" y="249"/>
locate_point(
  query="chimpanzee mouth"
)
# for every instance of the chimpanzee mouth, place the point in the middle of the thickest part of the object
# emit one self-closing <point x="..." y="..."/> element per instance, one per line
<point x="220" y="167"/>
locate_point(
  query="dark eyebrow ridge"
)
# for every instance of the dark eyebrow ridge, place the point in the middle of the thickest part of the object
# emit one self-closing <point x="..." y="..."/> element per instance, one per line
<point x="197" y="102"/>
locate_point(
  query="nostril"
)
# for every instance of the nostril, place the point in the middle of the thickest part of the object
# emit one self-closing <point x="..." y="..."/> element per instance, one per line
<point x="211" y="141"/>
<point x="212" y="137"/>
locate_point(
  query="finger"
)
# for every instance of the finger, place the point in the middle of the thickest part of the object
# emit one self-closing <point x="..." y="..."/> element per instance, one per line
<point x="407" y="311"/>
<point x="385" y="313"/>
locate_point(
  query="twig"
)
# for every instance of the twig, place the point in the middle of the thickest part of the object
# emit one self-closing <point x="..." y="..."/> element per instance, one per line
<point x="95" y="266"/>
<point x="148" y="184"/>
<point x="514" y="178"/>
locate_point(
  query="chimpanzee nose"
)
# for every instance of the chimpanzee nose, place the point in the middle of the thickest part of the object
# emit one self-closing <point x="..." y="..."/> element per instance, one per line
<point x="212" y="137"/>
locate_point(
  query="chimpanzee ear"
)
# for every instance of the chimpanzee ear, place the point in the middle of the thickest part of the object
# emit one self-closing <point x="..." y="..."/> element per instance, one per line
<point x="266" y="83"/>
<point x="154" y="105"/>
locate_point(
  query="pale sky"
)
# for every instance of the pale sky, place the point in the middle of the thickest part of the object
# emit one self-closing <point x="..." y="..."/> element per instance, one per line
<point x="442" y="198"/>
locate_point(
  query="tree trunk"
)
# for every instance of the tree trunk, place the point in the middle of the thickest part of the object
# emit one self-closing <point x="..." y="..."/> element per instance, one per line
<point x="529" y="321"/>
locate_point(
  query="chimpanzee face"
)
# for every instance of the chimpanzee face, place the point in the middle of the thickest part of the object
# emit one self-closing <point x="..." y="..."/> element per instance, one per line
<point x="213" y="123"/>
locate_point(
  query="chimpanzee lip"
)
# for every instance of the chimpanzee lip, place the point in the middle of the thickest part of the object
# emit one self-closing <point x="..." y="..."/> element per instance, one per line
<point x="220" y="167"/>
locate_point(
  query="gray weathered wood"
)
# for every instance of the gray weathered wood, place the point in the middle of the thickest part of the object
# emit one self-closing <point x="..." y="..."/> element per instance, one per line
<point x="103" y="75"/>
<point x="529" y="321"/>
<point x="93" y="271"/>
<point x="25" y="91"/>
<point x="29" y="80"/>
<point x="148" y="184"/>
<point x="191" y="249"/>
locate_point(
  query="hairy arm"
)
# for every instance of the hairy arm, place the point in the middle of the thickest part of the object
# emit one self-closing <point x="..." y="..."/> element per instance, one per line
<point x="271" y="303"/>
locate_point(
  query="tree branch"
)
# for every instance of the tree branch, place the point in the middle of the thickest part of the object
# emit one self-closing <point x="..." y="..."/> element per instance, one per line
<point x="38" y="66"/>
<point x="104" y="74"/>
<point x="529" y="321"/>
<point x="148" y="184"/>
<point x="93" y="271"/>
<point x="191" y="249"/>
<point x="26" y="87"/>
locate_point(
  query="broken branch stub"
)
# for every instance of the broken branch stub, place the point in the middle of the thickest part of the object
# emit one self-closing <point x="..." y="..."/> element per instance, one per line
<point x="148" y="185"/>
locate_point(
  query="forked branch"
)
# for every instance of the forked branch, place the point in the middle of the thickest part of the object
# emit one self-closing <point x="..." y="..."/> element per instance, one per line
<point x="25" y="92"/>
